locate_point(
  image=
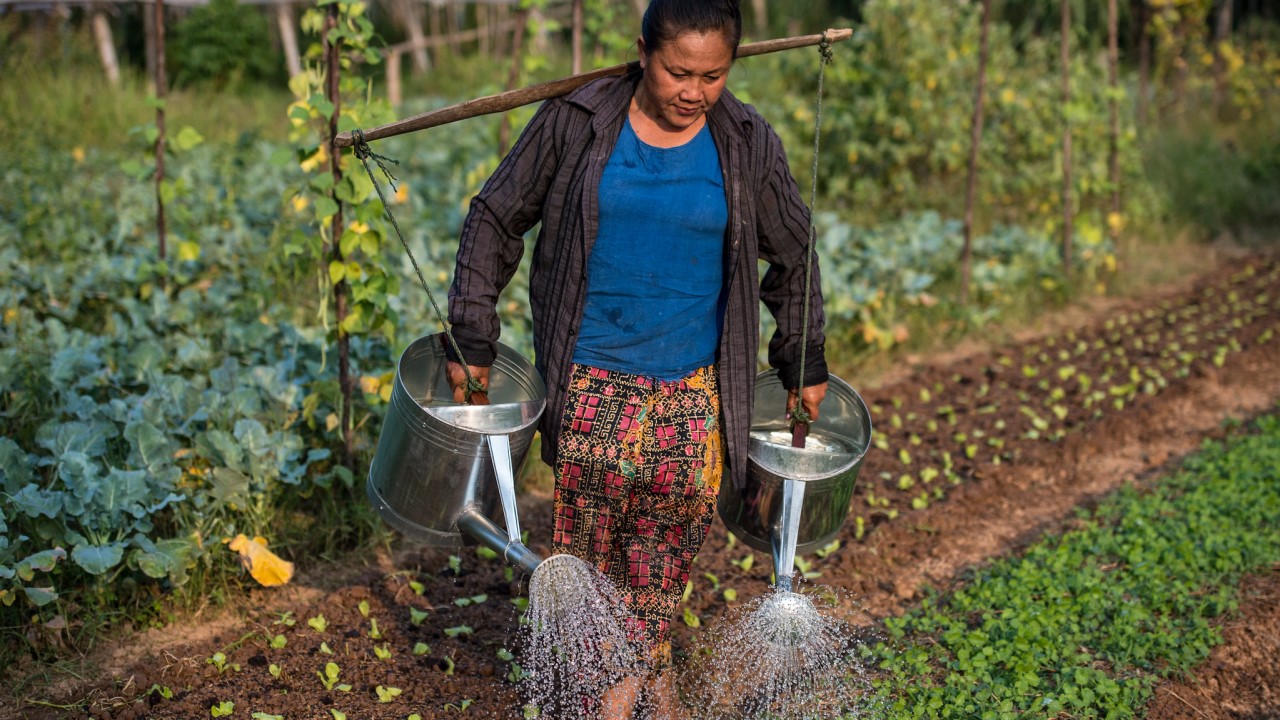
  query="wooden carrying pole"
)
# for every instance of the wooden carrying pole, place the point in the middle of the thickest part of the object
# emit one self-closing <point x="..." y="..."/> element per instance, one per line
<point x="512" y="99"/>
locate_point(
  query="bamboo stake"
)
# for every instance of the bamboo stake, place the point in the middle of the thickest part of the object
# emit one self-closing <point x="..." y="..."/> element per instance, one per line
<point x="162" y="85"/>
<point x="512" y="99"/>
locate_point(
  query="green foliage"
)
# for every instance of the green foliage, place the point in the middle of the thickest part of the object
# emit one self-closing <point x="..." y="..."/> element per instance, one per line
<point x="1221" y="185"/>
<point x="225" y="43"/>
<point x="1084" y="624"/>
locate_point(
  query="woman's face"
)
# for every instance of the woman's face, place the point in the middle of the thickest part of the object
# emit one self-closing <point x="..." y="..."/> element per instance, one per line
<point x="683" y="79"/>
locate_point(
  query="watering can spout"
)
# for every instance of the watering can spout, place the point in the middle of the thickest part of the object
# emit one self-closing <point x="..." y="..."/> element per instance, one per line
<point x="472" y="522"/>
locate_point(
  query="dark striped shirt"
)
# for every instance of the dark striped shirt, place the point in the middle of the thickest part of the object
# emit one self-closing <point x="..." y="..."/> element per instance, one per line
<point x="552" y="176"/>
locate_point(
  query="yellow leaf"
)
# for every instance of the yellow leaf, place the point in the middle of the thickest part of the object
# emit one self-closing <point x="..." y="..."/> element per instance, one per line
<point x="188" y="250"/>
<point x="265" y="566"/>
<point x="385" y="392"/>
<point x="331" y="422"/>
<point x="1115" y="222"/>
<point x="369" y="384"/>
<point x="10" y="314"/>
<point x="1007" y="96"/>
<point x="358" y="227"/>
<point x="321" y="157"/>
<point x="1110" y="261"/>
<point x="402" y="194"/>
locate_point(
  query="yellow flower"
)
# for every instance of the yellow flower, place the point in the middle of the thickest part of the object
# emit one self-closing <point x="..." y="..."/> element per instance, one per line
<point x="10" y="314"/>
<point x="1110" y="261"/>
<point x="300" y="203"/>
<point x="358" y="227"/>
<point x="369" y="385"/>
<point x="931" y="82"/>
<point x="1007" y="96"/>
<point x="77" y="154"/>
<point x="402" y="194"/>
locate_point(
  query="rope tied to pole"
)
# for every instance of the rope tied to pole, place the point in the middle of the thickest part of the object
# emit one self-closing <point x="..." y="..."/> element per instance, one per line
<point x="363" y="153"/>
<point x="800" y="416"/>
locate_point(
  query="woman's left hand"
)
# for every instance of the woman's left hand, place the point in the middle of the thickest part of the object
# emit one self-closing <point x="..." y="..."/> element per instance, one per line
<point x="811" y="397"/>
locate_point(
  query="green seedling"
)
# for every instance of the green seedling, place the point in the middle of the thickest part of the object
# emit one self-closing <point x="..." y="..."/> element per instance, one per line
<point x="449" y="666"/>
<point x="827" y="549"/>
<point x="219" y="661"/>
<point x="417" y="587"/>
<point x="329" y="678"/>
<point x="454" y="632"/>
<point x="374" y="632"/>
<point x="421" y="648"/>
<point x="484" y="553"/>
<point x="318" y="623"/>
<point x="715" y="581"/>
<point x="161" y="690"/>
<point x="455" y="564"/>
<point x="460" y="707"/>
<point x="387" y="694"/>
<point x="222" y="709"/>
<point x="266" y="716"/>
<point x="275" y="670"/>
<point x="473" y="600"/>
<point x="744" y="564"/>
<point x="324" y="648"/>
<point x="688" y="591"/>
<point x="416" y="616"/>
<point x="806" y="568"/>
<point x="337" y="714"/>
<point x="691" y="618"/>
<point x="383" y="651"/>
<point x="363" y="607"/>
<point x="286" y="618"/>
<point x="278" y="642"/>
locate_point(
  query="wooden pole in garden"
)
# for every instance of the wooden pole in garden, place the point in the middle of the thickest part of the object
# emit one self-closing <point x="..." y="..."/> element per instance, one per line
<point x="513" y="77"/>
<point x="334" y="95"/>
<point x="577" y="37"/>
<point x="106" y="45"/>
<point x="1221" y="35"/>
<point x="161" y="85"/>
<point x="1065" y="61"/>
<point x="975" y="138"/>
<point x="1144" y="61"/>
<point x="288" y="38"/>
<point x="1113" y="78"/>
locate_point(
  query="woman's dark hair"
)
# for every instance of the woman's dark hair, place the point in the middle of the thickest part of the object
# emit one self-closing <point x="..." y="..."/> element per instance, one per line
<point x="665" y="20"/>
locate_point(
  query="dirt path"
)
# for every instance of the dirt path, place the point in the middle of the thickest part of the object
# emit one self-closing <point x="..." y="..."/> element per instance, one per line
<point x="461" y="615"/>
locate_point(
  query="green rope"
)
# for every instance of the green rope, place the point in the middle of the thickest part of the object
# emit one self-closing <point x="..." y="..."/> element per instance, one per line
<point x="363" y="153"/>
<point x="800" y="416"/>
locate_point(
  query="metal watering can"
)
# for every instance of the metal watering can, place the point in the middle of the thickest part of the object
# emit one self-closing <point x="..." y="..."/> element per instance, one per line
<point x="797" y="497"/>
<point x="441" y="469"/>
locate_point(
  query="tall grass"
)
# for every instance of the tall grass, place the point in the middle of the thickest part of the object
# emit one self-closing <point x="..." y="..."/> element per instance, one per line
<point x="1220" y="179"/>
<point x="56" y="97"/>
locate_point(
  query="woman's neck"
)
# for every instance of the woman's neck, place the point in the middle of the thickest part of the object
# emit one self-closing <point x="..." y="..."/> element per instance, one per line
<point x="651" y="132"/>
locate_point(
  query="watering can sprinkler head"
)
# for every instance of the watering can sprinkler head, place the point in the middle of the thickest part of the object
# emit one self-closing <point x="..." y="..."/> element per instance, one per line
<point x="788" y="619"/>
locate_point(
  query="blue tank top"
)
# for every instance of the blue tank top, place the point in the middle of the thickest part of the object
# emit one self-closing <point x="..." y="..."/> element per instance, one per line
<point x="655" y="278"/>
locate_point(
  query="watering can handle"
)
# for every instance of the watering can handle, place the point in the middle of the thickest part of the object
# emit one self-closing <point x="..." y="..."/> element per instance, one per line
<point x="799" y="432"/>
<point x="500" y="454"/>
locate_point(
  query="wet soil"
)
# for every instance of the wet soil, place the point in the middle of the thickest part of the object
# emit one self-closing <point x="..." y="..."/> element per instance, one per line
<point x="975" y="458"/>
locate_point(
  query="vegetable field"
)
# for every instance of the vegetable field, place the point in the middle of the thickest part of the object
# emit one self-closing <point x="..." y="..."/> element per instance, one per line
<point x="202" y="301"/>
<point x="975" y="505"/>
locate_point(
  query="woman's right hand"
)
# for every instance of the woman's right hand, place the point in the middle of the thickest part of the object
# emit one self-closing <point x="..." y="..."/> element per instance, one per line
<point x="458" y="381"/>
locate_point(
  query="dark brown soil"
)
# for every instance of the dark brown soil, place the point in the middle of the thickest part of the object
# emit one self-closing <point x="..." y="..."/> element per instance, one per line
<point x="977" y="458"/>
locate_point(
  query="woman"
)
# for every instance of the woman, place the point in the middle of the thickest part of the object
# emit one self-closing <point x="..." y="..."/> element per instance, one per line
<point x="658" y="192"/>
